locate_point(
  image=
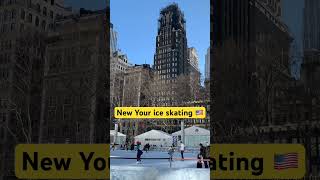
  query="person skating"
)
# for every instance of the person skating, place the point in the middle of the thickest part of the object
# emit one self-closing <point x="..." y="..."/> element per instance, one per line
<point x="132" y="147"/>
<point x="203" y="154"/>
<point x="170" y="152"/>
<point x="139" y="152"/>
<point x="182" y="150"/>
<point x="200" y="161"/>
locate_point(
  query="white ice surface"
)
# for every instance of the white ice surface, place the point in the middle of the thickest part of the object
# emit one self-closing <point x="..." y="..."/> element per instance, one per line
<point x="127" y="169"/>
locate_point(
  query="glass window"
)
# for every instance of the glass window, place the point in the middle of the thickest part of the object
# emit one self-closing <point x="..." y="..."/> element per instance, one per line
<point x="44" y="11"/>
<point x="30" y="18"/>
<point x="23" y="14"/>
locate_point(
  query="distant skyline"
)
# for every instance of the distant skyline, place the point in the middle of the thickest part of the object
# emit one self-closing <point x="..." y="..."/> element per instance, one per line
<point x="136" y="23"/>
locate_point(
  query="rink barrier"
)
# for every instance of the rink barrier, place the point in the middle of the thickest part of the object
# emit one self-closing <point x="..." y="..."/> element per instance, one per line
<point x="185" y="159"/>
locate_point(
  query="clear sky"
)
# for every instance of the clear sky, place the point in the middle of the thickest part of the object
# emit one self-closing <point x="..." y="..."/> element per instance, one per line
<point x="136" y="24"/>
<point x="292" y="15"/>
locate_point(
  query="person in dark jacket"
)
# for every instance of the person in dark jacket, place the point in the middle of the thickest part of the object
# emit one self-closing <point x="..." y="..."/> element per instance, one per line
<point x="203" y="153"/>
<point x="139" y="152"/>
<point x="199" y="161"/>
<point x="132" y="147"/>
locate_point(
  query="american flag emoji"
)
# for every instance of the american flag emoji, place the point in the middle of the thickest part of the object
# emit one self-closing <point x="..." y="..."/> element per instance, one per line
<point x="199" y="112"/>
<point x="285" y="161"/>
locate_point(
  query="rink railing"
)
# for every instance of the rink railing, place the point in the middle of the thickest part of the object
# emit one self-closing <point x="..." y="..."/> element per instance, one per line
<point x="170" y="159"/>
<point x="165" y="149"/>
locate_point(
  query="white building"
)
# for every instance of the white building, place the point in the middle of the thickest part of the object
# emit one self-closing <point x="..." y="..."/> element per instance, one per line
<point x="193" y="58"/>
<point x="155" y="137"/>
<point x="193" y="136"/>
<point x="121" y="138"/>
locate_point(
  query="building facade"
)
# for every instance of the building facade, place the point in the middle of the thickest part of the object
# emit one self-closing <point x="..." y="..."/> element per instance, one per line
<point x="23" y="27"/>
<point x="311" y="31"/>
<point x="207" y="66"/>
<point x="74" y="102"/>
<point x="136" y="93"/>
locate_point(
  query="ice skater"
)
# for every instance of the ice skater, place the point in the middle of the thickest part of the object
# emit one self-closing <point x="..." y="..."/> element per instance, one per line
<point x="200" y="161"/>
<point x="170" y="152"/>
<point x="203" y="153"/>
<point x="139" y="152"/>
<point x="182" y="150"/>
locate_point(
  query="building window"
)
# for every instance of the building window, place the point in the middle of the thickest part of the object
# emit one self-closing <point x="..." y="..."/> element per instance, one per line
<point x="13" y="14"/>
<point x="37" y="21"/>
<point x="51" y="14"/>
<point x="23" y="14"/>
<point x="67" y="100"/>
<point x="44" y="11"/>
<point x="38" y="8"/>
<point x="12" y="27"/>
<point x="5" y="16"/>
<point x="67" y="113"/>
<point x="52" y="101"/>
<point x="21" y="27"/>
<point x="30" y="18"/>
<point x="52" y="2"/>
<point x="43" y="25"/>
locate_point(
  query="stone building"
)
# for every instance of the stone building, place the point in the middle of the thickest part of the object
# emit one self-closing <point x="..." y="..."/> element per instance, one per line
<point x="261" y="42"/>
<point x="74" y="102"/>
<point x="119" y="65"/>
<point x="23" y="27"/>
<point x="136" y="93"/>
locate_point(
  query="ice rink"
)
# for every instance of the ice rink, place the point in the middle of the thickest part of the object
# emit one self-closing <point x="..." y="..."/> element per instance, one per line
<point x="155" y="169"/>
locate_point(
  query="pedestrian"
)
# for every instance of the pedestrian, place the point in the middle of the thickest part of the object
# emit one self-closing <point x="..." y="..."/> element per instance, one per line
<point x="139" y="152"/>
<point x="203" y="154"/>
<point x="199" y="161"/>
<point x="182" y="147"/>
<point x="132" y="147"/>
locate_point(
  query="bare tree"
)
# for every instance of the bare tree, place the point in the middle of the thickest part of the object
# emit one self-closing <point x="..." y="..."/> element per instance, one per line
<point x="26" y="86"/>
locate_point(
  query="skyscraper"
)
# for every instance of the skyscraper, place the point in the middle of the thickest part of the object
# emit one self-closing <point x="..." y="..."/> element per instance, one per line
<point x="311" y="25"/>
<point x="113" y="39"/>
<point x="207" y="65"/>
<point x="170" y="59"/>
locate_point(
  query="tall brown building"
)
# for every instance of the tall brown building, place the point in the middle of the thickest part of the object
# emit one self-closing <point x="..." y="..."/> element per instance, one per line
<point x="245" y="80"/>
<point x="74" y="102"/>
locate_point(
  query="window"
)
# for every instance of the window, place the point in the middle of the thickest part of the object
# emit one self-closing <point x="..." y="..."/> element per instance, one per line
<point x="37" y="21"/>
<point x="44" y="11"/>
<point x="12" y="27"/>
<point x="51" y="14"/>
<point x="52" y="2"/>
<point x="23" y="14"/>
<point x="30" y="18"/>
<point x="21" y="27"/>
<point x="52" y="101"/>
<point x="67" y="100"/>
<point x="13" y="14"/>
<point x="43" y="25"/>
<point x="67" y="113"/>
<point x="38" y="8"/>
<point x="5" y="16"/>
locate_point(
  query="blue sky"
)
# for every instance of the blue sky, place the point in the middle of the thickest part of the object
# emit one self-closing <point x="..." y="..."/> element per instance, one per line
<point x="292" y="15"/>
<point x="136" y="24"/>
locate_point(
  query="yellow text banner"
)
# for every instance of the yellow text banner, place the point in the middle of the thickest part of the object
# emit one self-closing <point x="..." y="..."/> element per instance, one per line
<point x="257" y="161"/>
<point x="160" y="112"/>
<point x="62" y="161"/>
